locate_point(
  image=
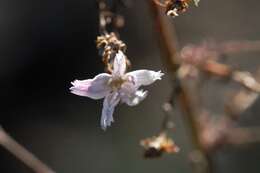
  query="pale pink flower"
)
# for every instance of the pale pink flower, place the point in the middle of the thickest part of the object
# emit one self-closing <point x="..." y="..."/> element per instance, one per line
<point x="116" y="87"/>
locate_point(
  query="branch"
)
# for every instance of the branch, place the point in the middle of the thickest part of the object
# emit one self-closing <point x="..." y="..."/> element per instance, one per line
<point x="168" y="47"/>
<point x="26" y="157"/>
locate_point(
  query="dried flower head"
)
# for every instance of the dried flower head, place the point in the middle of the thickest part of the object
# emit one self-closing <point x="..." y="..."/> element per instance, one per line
<point x="157" y="145"/>
<point x="109" y="45"/>
<point x="174" y="7"/>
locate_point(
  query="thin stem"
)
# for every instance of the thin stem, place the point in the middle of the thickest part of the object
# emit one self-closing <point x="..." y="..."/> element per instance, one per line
<point x="26" y="157"/>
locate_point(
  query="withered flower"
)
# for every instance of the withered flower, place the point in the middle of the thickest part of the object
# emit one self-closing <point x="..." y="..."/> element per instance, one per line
<point x="174" y="7"/>
<point x="154" y="147"/>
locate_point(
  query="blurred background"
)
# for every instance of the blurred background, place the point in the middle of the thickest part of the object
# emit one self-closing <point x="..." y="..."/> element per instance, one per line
<point x="44" y="45"/>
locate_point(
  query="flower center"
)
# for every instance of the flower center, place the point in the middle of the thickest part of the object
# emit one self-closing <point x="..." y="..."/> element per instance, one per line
<point x="115" y="84"/>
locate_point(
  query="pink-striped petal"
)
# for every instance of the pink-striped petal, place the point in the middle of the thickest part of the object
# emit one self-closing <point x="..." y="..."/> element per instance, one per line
<point x="96" y="88"/>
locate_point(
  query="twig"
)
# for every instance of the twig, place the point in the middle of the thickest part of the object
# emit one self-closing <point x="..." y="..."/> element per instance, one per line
<point x="22" y="154"/>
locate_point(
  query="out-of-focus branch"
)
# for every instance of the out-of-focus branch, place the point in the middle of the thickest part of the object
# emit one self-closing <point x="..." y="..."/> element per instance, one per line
<point x="242" y="77"/>
<point x="247" y="80"/>
<point x="26" y="157"/>
<point x="166" y="34"/>
<point x="167" y="41"/>
<point x="243" y="136"/>
<point x="216" y="133"/>
<point x="240" y="102"/>
<point x="208" y="134"/>
<point x="232" y="47"/>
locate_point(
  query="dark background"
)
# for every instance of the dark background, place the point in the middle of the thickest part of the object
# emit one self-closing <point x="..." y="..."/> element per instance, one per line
<point x="46" y="44"/>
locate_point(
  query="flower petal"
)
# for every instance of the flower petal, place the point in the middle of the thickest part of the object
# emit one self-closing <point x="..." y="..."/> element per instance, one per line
<point x="136" y="98"/>
<point x="127" y="88"/>
<point x="144" y="77"/>
<point x="119" y="64"/>
<point x="130" y="95"/>
<point x="109" y="104"/>
<point x="96" y="88"/>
